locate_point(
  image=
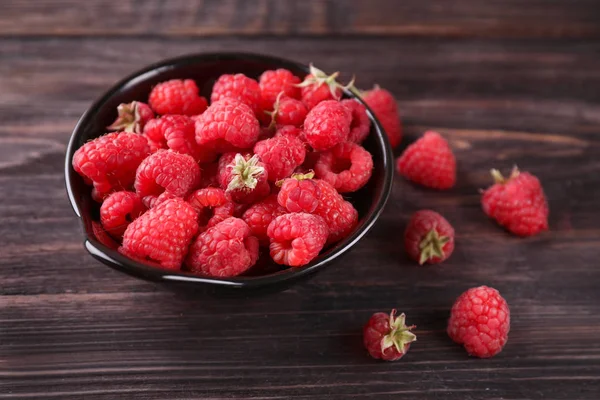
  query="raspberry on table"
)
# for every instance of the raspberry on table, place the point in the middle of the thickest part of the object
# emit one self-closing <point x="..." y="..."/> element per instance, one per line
<point x="224" y="250"/>
<point x="274" y="82"/>
<point x="244" y="177"/>
<point x="168" y="171"/>
<point x="161" y="236"/>
<point x="177" y="96"/>
<point x="387" y="337"/>
<point x="259" y="215"/>
<point x="384" y="105"/>
<point x="296" y="238"/>
<point x="327" y="124"/>
<point x="429" y="237"/>
<point x="241" y="88"/>
<point x="131" y="117"/>
<point x="517" y="203"/>
<point x="287" y="111"/>
<point x="429" y="162"/>
<point x="281" y="155"/>
<point x="299" y="193"/>
<point x="227" y="125"/>
<point x="212" y="204"/>
<point x="340" y="215"/>
<point x="480" y="321"/>
<point x="118" y="210"/>
<point x="361" y="124"/>
<point x="110" y="161"/>
<point x="347" y="167"/>
<point x="318" y="86"/>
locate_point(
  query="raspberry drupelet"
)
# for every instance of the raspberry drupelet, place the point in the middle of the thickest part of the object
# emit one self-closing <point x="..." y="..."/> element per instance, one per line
<point x="387" y="337"/>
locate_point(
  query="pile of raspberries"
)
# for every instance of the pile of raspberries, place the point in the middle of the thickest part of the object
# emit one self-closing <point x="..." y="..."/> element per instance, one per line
<point x="187" y="185"/>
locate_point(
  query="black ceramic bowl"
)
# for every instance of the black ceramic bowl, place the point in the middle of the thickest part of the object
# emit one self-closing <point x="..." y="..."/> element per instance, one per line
<point x="205" y="69"/>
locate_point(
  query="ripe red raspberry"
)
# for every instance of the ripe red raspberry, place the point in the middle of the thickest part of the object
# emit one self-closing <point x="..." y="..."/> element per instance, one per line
<point x="119" y="210"/>
<point x="131" y="117"/>
<point x="272" y="83"/>
<point x="292" y="131"/>
<point x="167" y="171"/>
<point x="384" y="105"/>
<point x="296" y="238"/>
<point x="480" y="321"/>
<point x="227" y="125"/>
<point x="244" y="177"/>
<point x="517" y="203"/>
<point x="177" y="132"/>
<point x="212" y="204"/>
<point x="429" y="162"/>
<point x="347" y="166"/>
<point x="281" y="155"/>
<point x="327" y="125"/>
<point x="361" y="124"/>
<point x="429" y="237"/>
<point x="224" y="250"/>
<point x="318" y="86"/>
<point x="162" y="235"/>
<point x="110" y="161"/>
<point x="340" y="215"/>
<point x="287" y="111"/>
<point x="387" y="337"/>
<point x="177" y="97"/>
<point x="259" y="215"/>
<point x="152" y="201"/>
<point x="300" y="193"/>
<point x="241" y="88"/>
<point x="103" y="237"/>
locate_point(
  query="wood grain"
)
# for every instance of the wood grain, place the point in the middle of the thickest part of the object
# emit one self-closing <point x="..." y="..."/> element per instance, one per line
<point x="461" y="18"/>
<point x="71" y="328"/>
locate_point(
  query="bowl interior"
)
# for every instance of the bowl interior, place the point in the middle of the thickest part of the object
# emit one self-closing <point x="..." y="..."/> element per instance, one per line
<point x="205" y="69"/>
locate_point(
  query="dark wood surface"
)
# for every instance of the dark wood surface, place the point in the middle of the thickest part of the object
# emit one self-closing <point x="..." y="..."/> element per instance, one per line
<point x="508" y="82"/>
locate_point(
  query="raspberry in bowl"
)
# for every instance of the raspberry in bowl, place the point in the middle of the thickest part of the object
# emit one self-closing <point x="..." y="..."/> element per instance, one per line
<point x="221" y="170"/>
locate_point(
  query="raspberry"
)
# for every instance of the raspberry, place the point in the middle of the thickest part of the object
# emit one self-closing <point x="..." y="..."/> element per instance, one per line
<point x="167" y="171"/>
<point x="429" y="162"/>
<point x="177" y="132"/>
<point x="281" y="155"/>
<point x="387" y="337"/>
<point x="224" y="250"/>
<point x="212" y="204"/>
<point x="177" y="97"/>
<point x="152" y="201"/>
<point x="131" y="117"/>
<point x="103" y="237"/>
<point x="119" y="210"/>
<point x="429" y="237"/>
<point x="272" y="83"/>
<point x="340" y="215"/>
<point x="110" y="161"/>
<point x="361" y="124"/>
<point x="227" y="125"/>
<point x="327" y="125"/>
<point x="480" y="321"/>
<point x="161" y="236"/>
<point x="384" y="105"/>
<point x="154" y="145"/>
<point x="517" y="203"/>
<point x="291" y="131"/>
<point x="297" y="238"/>
<point x="300" y="193"/>
<point x="318" y="86"/>
<point x="287" y="111"/>
<point x="244" y="177"/>
<point x="259" y="215"/>
<point x="347" y="167"/>
<point x="241" y="88"/>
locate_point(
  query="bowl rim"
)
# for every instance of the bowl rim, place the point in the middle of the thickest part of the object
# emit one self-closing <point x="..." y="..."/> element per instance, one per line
<point x="118" y="261"/>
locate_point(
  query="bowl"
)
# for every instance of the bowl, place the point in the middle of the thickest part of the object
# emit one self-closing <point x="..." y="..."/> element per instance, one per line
<point x="205" y="69"/>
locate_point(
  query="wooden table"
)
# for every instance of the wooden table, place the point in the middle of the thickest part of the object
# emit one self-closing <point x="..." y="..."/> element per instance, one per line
<point x="508" y="82"/>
